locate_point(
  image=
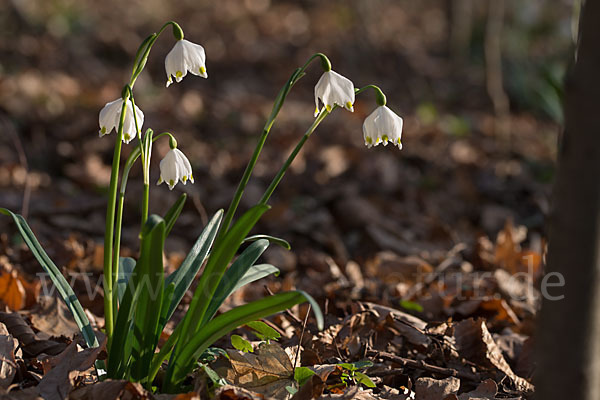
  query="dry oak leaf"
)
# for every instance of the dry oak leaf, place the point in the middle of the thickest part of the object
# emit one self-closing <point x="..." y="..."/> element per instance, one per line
<point x="30" y="393"/>
<point x="52" y="317"/>
<point x="8" y="365"/>
<point x="486" y="390"/>
<point x="268" y="371"/>
<point x="30" y="343"/>
<point x="435" y="389"/>
<point x="69" y="365"/>
<point x="230" y="392"/>
<point x="111" y="390"/>
<point x="475" y="343"/>
<point x="12" y="291"/>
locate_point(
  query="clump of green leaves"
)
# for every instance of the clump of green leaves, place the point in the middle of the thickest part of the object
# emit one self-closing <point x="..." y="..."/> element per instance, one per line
<point x="139" y="298"/>
<point x="351" y="373"/>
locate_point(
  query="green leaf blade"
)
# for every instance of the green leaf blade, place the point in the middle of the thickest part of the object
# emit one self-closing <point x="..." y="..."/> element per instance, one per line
<point x="64" y="289"/>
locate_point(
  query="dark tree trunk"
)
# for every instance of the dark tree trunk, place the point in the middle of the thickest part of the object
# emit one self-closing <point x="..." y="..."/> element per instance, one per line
<point x="569" y="331"/>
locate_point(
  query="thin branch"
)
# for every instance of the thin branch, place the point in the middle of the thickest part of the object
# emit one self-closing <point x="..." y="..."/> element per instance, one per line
<point x="419" y="364"/>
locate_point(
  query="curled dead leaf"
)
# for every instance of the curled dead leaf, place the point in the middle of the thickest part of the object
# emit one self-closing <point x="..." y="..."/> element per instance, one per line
<point x="267" y="371"/>
<point x="8" y="365"/>
<point x="475" y="343"/>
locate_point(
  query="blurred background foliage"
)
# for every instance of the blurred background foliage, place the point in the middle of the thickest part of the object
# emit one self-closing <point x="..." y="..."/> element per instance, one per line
<point x="62" y="60"/>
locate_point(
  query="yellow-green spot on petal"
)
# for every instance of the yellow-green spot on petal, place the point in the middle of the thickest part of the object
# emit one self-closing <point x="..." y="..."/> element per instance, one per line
<point x="178" y="74"/>
<point x="103" y="130"/>
<point x="202" y="70"/>
<point x="385" y="138"/>
<point x="328" y="107"/>
<point x="192" y="178"/>
<point x="369" y="140"/>
<point x="127" y="136"/>
<point x="184" y="178"/>
<point x="171" y="183"/>
<point x="348" y="105"/>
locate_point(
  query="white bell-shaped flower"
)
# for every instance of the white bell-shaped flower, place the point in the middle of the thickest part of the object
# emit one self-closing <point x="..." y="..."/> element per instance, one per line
<point x="332" y="88"/>
<point x="175" y="167"/>
<point x="383" y="126"/>
<point x="185" y="56"/>
<point x="110" y="117"/>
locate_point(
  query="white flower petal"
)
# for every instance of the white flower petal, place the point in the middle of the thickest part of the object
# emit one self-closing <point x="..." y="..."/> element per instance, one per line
<point x="175" y="167"/>
<point x="333" y="88"/>
<point x="110" y="117"/>
<point x="185" y="56"/>
<point x="383" y="126"/>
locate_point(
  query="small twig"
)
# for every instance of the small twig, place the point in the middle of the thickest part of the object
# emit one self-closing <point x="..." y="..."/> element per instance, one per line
<point x="419" y="364"/>
<point x="337" y="348"/>
<point x="301" y="336"/>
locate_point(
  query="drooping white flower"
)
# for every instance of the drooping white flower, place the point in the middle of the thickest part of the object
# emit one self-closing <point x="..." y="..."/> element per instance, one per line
<point x="110" y="117"/>
<point x="383" y="125"/>
<point x="333" y="88"/>
<point x="175" y="167"/>
<point x="185" y="56"/>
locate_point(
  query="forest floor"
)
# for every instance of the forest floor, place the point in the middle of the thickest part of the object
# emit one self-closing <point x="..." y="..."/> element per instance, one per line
<point x="427" y="262"/>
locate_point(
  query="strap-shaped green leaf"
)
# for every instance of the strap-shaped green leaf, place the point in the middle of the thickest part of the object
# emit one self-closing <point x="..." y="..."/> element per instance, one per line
<point x="225" y="323"/>
<point x="272" y="239"/>
<point x="126" y="267"/>
<point x="233" y="275"/>
<point x="151" y="278"/>
<point x="255" y="273"/>
<point x="119" y="352"/>
<point x="173" y="213"/>
<point x="221" y="255"/>
<point x="185" y="274"/>
<point x="65" y="291"/>
<point x="143" y="292"/>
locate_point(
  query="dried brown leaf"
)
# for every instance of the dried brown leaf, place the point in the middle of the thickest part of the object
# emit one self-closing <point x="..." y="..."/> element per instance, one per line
<point x="30" y="393"/>
<point x="486" y="390"/>
<point x="12" y="291"/>
<point x="268" y="371"/>
<point x="30" y="343"/>
<point x="8" y="365"/>
<point x="111" y="390"/>
<point x="475" y="343"/>
<point x="53" y="318"/>
<point x="68" y="366"/>
<point x="230" y="392"/>
<point x="435" y="389"/>
<point x="312" y="389"/>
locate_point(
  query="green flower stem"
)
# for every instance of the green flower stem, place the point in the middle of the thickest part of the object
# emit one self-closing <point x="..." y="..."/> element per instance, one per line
<point x="145" y="154"/>
<point x="379" y="96"/>
<point x="135" y="154"/>
<point x="144" y="50"/>
<point x="267" y="195"/>
<point x="119" y="215"/>
<point x="111" y="261"/>
<point x="294" y="78"/>
<point x="145" y="200"/>
<point x="109" y="231"/>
